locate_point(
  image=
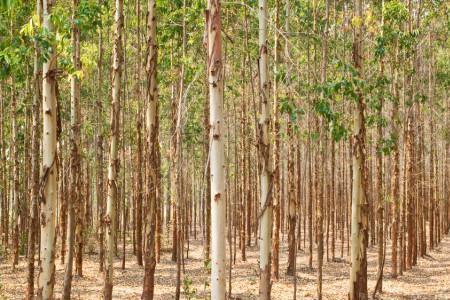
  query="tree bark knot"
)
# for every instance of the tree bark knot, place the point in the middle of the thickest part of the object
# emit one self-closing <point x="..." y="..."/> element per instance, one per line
<point x="216" y="130"/>
<point x="217" y="197"/>
<point x="43" y="181"/>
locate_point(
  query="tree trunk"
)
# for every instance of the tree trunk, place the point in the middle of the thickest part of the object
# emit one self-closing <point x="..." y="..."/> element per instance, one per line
<point x="431" y="207"/>
<point x="110" y="217"/>
<point x="276" y="152"/>
<point x="152" y="127"/>
<point x="292" y="202"/>
<point x="264" y="152"/>
<point x="217" y="163"/>
<point x="48" y="201"/>
<point x="32" y="234"/>
<point x="395" y="179"/>
<point x="321" y="164"/>
<point x="358" y="274"/>
<point x="3" y="174"/>
<point x="99" y="152"/>
<point x="15" y="170"/>
<point x="74" y="199"/>
<point x="139" y="191"/>
<point x="379" y="176"/>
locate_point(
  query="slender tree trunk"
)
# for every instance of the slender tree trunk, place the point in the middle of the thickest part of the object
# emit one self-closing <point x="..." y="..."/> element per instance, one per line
<point x="217" y="163"/>
<point x="206" y="176"/>
<point x="174" y="180"/>
<point x="379" y="176"/>
<point x="244" y="178"/>
<point x="99" y="151"/>
<point x="139" y="191"/>
<point x="409" y="164"/>
<point x="74" y="200"/>
<point x="206" y="195"/>
<point x="292" y="202"/>
<point x="63" y="191"/>
<point x="264" y="152"/>
<point x="291" y="195"/>
<point x="431" y="207"/>
<point x="48" y="201"/>
<point x="276" y="152"/>
<point x="358" y="274"/>
<point x="4" y="204"/>
<point x="152" y="127"/>
<point x="395" y="179"/>
<point x="15" y="170"/>
<point x="110" y="217"/>
<point x="409" y="191"/>
<point x="321" y="164"/>
<point x="32" y="233"/>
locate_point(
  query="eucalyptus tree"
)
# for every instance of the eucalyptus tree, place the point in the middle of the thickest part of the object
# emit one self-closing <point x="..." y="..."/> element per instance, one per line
<point x="217" y="160"/>
<point x="379" y="175"/>
<point x="151" y="164"/>
<point x="32" y="234"/>
<point x="358" y="272"/>
<point x="99" y="150"/>
<point x="74" y="200"/>
<point x="320" y="192"/>
<point x="264" y="152"/>
<point x="138" y="185"/>
<point x="48" y="180"/>
<point x="276" y="151"/>
<point x="110" y="216"/>
<point x="15" y="182"/>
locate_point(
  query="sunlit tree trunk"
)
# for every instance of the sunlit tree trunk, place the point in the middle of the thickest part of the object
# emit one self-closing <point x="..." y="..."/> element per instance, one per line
<point x="113" y="164"/>
<point x="152" y="180"/>
<point x="217" y="163"/>
<point x="264" y="152"/>
<point x="358" y="273"/>
<point x="48" y="202"/>
<point x="99" y="152"/>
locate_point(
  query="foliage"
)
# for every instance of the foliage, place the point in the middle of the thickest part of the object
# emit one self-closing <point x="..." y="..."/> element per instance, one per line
<point x="188" y="291"/>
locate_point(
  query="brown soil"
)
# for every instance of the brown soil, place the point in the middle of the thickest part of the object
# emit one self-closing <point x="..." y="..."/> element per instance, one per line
<point x="430" y="279"/>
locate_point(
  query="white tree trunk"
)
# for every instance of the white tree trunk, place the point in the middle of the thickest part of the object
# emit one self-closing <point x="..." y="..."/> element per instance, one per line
<point x="48" y="202"/>
<point x="113" y="151"/>
<point x="217" y="165"/>
<point x="265" y="156"/>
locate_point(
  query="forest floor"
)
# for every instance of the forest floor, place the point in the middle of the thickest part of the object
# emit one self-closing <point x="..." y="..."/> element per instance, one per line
<point x="430" y="279"/>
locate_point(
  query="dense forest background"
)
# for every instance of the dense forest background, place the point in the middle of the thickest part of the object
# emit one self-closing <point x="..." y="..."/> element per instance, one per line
<point x="180" y="138"/>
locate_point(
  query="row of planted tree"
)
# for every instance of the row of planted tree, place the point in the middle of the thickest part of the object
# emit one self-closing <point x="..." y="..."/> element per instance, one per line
<point x="325" y="122"/>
